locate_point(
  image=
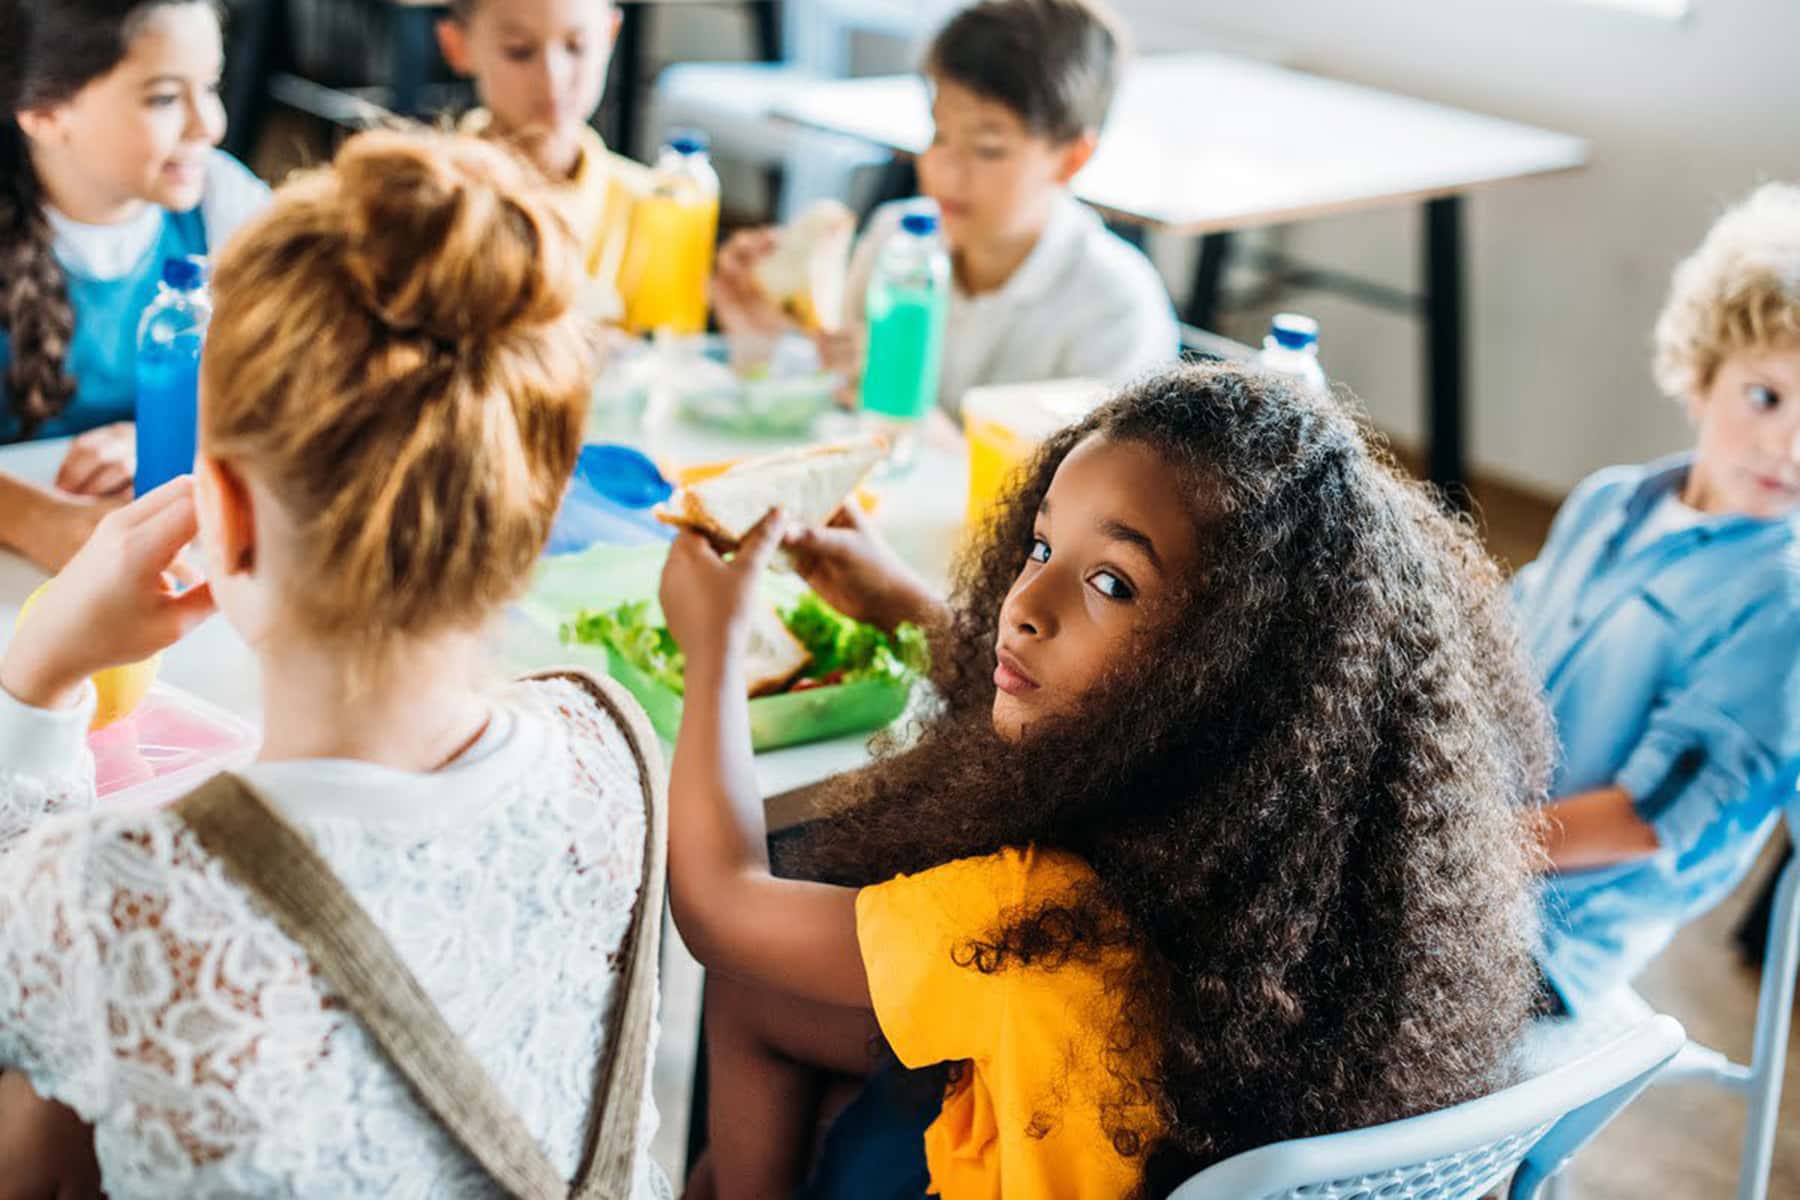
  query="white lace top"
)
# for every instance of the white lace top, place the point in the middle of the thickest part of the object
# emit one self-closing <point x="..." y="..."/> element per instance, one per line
<point x="143" y="989"/>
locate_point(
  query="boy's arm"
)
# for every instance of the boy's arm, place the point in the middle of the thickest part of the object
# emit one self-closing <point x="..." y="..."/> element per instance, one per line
<point x="1595" y="829"/>
<point x="1725" y="733"/>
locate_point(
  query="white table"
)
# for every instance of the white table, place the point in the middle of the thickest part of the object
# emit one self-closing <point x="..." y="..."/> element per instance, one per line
<point x="1207" y="144"/>
<point x="921" y="513"/>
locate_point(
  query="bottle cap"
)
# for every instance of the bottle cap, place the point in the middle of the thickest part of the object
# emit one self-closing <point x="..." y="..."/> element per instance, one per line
<point x="1294" y="331"/>
<point x="919" y="224"/>
<point x="688" y="141"/>
<point x="184" y="274"/>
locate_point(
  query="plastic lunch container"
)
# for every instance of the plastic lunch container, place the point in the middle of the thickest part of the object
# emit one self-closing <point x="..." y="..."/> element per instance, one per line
<point x="170" y="745"/>
<point x="607" y="576"/>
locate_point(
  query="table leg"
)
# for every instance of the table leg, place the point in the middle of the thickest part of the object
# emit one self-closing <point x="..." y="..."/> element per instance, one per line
<point x="766" y="14"/>
<point x="628" y="77"/>
<point x="1444" y="365"/>
<point x="1203" y="301"/>
<point x="412" y="31"/>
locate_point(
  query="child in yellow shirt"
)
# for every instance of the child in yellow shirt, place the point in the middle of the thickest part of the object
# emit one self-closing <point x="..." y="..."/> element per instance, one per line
<point x="1214" y="839"/>
<point x="539" y="68"/>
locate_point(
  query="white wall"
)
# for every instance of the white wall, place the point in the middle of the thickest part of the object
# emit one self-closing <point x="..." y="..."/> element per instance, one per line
<point x="1565" y="274"/>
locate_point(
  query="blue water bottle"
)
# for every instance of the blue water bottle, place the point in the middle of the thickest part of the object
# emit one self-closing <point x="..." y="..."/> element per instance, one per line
<point x="170" y="338"/>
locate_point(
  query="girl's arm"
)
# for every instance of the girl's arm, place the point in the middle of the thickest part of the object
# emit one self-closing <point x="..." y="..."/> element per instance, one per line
<point x="45" y="526"/>
<point x="1596" y="829"/>
<point x="119" y="600"/>
<point x="735" y="916"/>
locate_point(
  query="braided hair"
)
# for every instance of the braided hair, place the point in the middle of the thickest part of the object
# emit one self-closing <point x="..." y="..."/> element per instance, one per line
<point x="49" y="51"/>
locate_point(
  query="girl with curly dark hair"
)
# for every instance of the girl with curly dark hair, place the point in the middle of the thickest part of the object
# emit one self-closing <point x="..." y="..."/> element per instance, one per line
<point x="1217" y="837"/>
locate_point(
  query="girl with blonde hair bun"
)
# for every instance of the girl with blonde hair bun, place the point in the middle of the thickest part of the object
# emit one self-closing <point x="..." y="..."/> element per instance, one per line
<point x="391" y="405"/>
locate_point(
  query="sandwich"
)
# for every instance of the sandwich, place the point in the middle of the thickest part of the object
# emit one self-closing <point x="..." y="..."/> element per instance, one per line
<point x="773" y="657"/>
<point x="805" y="274"/>
<point x="809" y="485"/>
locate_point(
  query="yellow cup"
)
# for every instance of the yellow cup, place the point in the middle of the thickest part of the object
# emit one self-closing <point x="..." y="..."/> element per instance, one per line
<point x="1005" y="425"/>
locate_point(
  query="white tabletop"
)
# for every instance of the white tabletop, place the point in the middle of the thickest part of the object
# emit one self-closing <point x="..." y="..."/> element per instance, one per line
<point x="1198" y="143"/>
<point x="921" y="514"/>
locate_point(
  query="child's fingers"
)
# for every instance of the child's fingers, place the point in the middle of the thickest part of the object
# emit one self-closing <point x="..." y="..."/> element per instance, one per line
<point x="759" y="545"/>
<point x="146" y="507"/>
<point x="158" y="539"/>
<point x="193" y="606"/>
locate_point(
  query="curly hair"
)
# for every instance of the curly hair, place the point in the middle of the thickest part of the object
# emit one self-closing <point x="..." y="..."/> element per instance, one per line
<point x="1739" y="291"/>
<point x="1307" y="798"/>
<point x="49" y="51"/>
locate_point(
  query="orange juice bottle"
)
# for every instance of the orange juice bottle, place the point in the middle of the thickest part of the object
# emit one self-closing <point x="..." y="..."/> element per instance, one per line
<point x="1006" y="424"/>
<point x="668" y="265"/>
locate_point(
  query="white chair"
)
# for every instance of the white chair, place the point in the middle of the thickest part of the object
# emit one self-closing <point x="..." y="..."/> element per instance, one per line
<point x="1759" y="1082"/>
<point x="735" y="102"/>
<point x="1527" y="1131"/>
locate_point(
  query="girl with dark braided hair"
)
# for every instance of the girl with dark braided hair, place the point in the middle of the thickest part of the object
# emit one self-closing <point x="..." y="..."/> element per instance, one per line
<point x="109" y="119"/>
<point x="1219" y="835"/>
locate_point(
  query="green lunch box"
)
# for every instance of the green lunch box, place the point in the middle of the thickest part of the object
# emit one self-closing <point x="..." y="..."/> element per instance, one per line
<point x="606" y="576"/>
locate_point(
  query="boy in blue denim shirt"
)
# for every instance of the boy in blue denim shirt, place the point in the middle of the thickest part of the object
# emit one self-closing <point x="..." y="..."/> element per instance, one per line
<point x="1664" y="613"/>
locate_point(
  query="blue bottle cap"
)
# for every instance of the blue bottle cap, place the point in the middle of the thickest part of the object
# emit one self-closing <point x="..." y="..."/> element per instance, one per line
<point x="184" y="274"/>
<point x="919" y="224"/>
<point x="623" y="475"/>
<point x="688" y="141"/>
<point x="1294" y="331"/>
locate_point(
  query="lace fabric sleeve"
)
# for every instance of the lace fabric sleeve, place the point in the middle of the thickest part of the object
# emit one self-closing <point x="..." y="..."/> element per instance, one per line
<point x="45" y="766"/>
<point x="52" y="1006"/>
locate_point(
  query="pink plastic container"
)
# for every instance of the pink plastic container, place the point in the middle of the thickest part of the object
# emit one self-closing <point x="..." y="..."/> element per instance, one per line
<point x="173" y="743"/>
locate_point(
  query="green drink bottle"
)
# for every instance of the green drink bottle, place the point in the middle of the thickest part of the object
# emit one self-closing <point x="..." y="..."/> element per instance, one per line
<point x="908" y="299"/>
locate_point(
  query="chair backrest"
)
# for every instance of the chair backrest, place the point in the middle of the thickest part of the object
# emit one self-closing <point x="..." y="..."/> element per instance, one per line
<point x="1456" y="1153"/>
<point x="1774" y="1012"/>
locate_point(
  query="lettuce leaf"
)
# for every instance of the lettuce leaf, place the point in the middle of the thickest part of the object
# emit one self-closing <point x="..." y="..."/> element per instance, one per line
<point x="843" y="650"/>
<point x="628" y="632"/>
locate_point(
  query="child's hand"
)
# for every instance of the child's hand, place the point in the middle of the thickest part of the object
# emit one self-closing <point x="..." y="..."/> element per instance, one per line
<point x="841" y="353"/>
<point x="855" y="572"/>
<point x="706" y="600"/>
<point x="115" y="603"/>
<point x="739" y="301"/>
<point x="101" y="462"/>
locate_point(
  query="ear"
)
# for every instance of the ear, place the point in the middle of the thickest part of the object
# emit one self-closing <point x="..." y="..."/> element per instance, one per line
<point x="227" y="514"/>
<point x="1075" y="155"/>
<point x="453" y="41"/>
<point x="41" y="124"/>
<point x="612" y="31"/>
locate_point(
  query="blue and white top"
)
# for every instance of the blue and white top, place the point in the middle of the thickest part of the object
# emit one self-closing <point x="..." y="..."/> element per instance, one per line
<point x="1669" y="643"/>
<point x="112" y="272"/>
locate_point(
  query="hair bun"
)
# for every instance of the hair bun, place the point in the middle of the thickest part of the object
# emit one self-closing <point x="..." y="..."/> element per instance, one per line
<point x="447" y="236"/>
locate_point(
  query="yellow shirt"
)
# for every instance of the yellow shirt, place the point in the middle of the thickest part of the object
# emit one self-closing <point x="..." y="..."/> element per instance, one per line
<point x="1024" y="1121"/>
<point x="601" y="202"/>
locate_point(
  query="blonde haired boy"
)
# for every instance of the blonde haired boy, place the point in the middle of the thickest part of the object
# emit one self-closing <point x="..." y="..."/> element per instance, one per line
<point x="1664" y="613"/>
<point x="539" y="68"/>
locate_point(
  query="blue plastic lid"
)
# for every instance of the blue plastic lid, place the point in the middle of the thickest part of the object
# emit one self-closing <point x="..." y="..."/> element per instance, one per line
<point x="919" y="224"/>
<point x="625" y="476"/>
<point x="184" y="274"/>
<point x="1294" y="331"/>
<point x="688" y="141"/>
